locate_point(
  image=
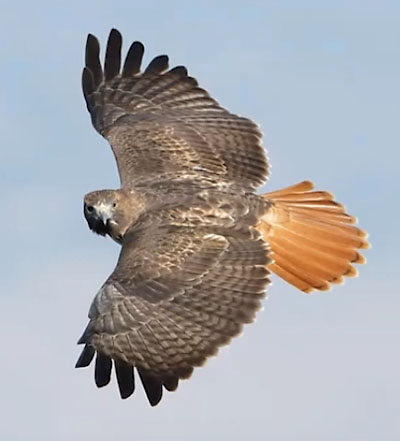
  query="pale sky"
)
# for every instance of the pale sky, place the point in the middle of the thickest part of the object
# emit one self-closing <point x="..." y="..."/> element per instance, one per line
<point x="322" y="79"/>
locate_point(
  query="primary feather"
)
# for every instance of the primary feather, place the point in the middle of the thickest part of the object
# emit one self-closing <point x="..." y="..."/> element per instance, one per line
<point x="162" y="126"/>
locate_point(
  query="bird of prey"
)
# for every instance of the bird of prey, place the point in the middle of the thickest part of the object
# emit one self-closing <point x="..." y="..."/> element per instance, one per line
<point x="197" y="243"/>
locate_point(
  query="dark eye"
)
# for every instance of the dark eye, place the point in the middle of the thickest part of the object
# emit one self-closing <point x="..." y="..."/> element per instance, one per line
<point x="89" y="208"/>
<point x="114" y="204"/>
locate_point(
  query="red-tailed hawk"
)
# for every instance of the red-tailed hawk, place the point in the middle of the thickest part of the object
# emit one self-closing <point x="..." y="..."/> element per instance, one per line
<point x="197" y="243"/>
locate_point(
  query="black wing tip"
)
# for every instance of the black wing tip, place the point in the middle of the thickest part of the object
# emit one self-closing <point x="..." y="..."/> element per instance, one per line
<point x="92" y="50"/>
<point x="171" y="383"/>
<point x="86" y="357"/>
<point x="138" y="45"/>
<point x="125" y="378"/>
<point x="87" y="84"/>
<point x="133" y="59"/>
<point x="115" y="33"/>
<point x="125" y="395"/>
<point x="114" y="38"/>
<point x="158" y="65"/>
<point x="112" y="61"/>
<point x="102" y="370"/>
<point x="92" y="59"/>
<point x="152" y="387"/>
<point x="180" y="71"/>
<point x="154" y="400"/>
<point x="92" y="40"/>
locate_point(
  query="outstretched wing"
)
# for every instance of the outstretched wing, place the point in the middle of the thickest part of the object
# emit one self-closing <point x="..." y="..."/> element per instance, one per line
<point x="162" y="127"/>
<point x="174" y="298"/>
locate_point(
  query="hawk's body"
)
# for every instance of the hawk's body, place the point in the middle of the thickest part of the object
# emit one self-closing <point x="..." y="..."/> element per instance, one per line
<point x="197" y="243"/>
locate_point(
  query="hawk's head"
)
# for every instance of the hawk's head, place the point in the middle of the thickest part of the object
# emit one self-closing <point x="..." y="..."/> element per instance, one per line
<point x="109" y="212"/>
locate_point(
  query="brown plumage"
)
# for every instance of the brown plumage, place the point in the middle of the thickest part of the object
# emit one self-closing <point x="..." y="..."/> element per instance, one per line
<point x="197" y="243"/>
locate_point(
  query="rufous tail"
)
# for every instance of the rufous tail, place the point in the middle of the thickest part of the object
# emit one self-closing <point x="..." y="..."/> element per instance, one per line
<point x="312" y="239"/>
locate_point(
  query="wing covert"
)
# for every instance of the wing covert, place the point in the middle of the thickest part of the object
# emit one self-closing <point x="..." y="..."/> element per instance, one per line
<point x="174" y="298"/>
<point x="147" y="116"/>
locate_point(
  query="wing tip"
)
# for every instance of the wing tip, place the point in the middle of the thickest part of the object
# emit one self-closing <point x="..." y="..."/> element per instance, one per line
<point x="152" y="387"/>
<point x="125" y="378"/>
<point x="133" y="59"/>
<point x="112" y="61"/>
<point x="115" y="33"/>
<point x="92" y="39"/>
<point x="157" y="65"/>
<point x="102" y="370"/>
<point x="86" y="357"/>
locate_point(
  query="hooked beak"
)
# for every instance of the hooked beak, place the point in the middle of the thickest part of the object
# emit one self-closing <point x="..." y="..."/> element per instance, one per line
<point x="103" y="212"/>
<point x="100" y="218"/>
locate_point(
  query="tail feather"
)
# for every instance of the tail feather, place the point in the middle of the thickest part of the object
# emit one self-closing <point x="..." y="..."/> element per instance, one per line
<point x="312" y="239"/>
<point x="300" y="187"/>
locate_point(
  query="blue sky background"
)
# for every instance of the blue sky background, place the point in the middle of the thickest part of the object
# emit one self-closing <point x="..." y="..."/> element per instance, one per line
<point x="322" y="79"/>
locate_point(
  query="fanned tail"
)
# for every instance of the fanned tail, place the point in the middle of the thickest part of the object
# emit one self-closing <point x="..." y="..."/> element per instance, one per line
<point x="313" y="240"/>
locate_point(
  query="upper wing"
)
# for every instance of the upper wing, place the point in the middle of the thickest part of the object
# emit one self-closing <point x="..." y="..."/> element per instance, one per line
<point x="175" y="296"/>
<point x="162" y="126"/>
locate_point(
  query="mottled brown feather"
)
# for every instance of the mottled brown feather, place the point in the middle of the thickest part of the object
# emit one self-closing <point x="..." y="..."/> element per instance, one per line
<point x="197" y="244"/>
<point x="146" y="117"/>
<point x="167" y="306"/>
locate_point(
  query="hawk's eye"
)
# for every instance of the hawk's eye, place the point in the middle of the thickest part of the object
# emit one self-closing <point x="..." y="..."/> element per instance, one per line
<point x="89" y="208"/>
